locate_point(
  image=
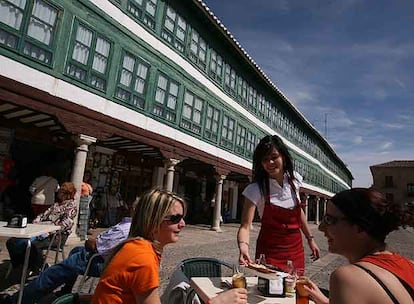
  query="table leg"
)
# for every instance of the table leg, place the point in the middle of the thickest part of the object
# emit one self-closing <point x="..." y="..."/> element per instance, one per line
<point x="24" y="271"/>
<point x="59" y="243"/>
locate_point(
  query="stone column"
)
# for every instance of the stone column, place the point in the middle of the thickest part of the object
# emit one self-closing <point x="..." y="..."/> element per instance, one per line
<point x="170" y="166"/>
<point x="235" y="198"/>
<point x="318" y="199"/>
<point x="217" y="207"/>
<point x="158" y="177"/>
<point x="306" y="207"/>
<point x="203" y="188"/>
<point x="81" y="152"/>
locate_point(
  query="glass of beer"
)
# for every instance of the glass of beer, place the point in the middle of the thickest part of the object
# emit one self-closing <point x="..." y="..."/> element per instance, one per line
<point x="238" y="280"/>
<point x="302" y="296"/>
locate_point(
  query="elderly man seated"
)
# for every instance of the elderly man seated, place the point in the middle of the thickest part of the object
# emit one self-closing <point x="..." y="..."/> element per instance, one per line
<point x="66" y="272"/>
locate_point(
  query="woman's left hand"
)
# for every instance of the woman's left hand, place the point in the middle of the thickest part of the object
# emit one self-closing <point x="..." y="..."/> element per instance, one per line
<point x="315" y="251"/>
<point x="315" y="293"/>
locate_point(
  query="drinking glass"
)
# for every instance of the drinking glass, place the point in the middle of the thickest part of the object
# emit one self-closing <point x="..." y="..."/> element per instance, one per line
<point x="302" y="296"/>
<point x="238" y="279"/>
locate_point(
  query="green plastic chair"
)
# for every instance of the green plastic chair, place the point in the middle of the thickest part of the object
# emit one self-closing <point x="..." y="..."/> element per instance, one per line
<point x="73" y="298"/>
<point x="203" y="267"/>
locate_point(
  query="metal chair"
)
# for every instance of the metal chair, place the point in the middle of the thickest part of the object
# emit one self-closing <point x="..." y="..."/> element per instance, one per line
<point x="86" y="275"/>
<point x="58" y="247"/>
<point x="203" y="267"/>
<point x="74" y="298"/>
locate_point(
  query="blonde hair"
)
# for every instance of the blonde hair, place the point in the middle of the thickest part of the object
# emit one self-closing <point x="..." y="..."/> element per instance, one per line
<point x="150" y="211"/>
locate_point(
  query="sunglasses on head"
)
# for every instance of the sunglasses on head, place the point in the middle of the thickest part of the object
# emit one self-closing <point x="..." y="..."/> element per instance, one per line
<point x="328" y="219"/>
<point x="174" y="218"/>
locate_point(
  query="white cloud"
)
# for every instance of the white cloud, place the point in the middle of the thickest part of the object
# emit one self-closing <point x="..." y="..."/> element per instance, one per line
<point x="394" y="126"/>
<point x="358" y="140"/>
<point x="385" y="145"/>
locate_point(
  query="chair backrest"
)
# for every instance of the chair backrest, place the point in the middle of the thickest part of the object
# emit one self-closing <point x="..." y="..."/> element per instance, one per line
<point x="73" y="298"/>
<point x="65" y="299"/>
<point x="63" y="238"/>
<point x="203" y="267"/>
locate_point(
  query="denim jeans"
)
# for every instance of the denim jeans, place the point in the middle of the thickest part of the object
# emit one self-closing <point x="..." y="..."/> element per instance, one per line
<point x="65" y="272"/>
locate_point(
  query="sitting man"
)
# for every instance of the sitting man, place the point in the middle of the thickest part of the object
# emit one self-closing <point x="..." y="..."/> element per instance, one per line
<point x="68" y="270"/>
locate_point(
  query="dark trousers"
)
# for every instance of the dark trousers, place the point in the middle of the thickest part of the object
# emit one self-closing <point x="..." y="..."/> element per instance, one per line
<point x="17" y="252"/>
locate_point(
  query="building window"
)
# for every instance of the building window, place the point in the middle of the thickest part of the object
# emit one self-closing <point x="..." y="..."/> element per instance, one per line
<point x="250" y="143"/>
<point x="132" y="81"/>
<point x="29" y="27"/>
<point x="192" y="109"/>
<point x="198" y="50"/>
<point x="144" y="10"/>
<point x="227" y="131"/>
<point x="252" y="99"/>
<point x="174" y="29"/>
<point x="166" y="98"/>
<point x="216" y="67"/>
<point x="230" y="79"/>
<point x="242" y="91"/>
<point x="240" y="139"/>
<point x="410" y="189"/>
<point x="388" y="181"/>
<point x="89" y="57"/>
<point x="212" y="123"/>
<point x="262" y="106"/>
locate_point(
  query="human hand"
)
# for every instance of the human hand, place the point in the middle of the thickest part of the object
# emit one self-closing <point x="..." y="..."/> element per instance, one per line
<point x="244" y="257"/>
<point x="315" y="251"/>
<point x="315" y="294"/>
<point x="231" y="296"/>
<point x="90" y="244"/>
<point x="93" y="233"/>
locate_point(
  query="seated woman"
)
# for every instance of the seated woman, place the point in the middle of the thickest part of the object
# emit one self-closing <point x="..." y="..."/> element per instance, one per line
<point x="132" y="273"/>
<point x="61" y="214"/>
<point x="356" y="224"/>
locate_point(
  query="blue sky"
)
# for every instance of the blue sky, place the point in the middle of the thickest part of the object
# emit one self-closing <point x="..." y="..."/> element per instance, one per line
<point x="351" y="60"/>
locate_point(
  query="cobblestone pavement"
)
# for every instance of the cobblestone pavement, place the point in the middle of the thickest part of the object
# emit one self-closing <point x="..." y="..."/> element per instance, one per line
<point x="199" y="240"/>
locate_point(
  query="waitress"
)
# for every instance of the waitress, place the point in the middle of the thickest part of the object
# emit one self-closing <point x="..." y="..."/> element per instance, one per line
<point x="274" y="192"/>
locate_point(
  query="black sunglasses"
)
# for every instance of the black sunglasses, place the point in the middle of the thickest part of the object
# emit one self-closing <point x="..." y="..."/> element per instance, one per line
<point x="328" y="219"/>
<point x="174" y="218"/>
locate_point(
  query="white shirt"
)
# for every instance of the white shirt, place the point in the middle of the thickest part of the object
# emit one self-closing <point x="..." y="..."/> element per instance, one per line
<point x="44" y="188"/>
<point x="279" y="196"/>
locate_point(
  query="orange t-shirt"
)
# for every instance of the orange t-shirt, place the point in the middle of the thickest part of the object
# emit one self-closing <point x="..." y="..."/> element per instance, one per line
<point x="86" y="189"/>
<point x="131" y="272"/>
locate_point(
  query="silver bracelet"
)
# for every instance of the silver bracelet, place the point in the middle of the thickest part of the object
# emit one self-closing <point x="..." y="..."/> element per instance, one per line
<point x="243" y="242"/>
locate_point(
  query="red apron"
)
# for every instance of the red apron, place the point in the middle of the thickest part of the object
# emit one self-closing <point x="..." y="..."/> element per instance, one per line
<point x="280" y="238"/>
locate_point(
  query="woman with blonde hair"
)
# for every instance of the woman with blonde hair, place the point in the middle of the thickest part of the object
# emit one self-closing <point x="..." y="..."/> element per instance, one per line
<point x="132" y="273"/>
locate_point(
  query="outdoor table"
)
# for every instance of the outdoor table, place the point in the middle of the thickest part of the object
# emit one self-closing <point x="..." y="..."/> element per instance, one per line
<point x="207" y="288"/>
<point x="32" y="230"/>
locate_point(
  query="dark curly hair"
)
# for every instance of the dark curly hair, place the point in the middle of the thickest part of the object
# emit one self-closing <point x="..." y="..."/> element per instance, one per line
<point x="370" y="210"/>
<point x="265" y="147"/>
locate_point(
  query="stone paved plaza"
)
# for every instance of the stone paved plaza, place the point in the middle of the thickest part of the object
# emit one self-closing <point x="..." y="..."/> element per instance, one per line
<point x="199" y="240"/>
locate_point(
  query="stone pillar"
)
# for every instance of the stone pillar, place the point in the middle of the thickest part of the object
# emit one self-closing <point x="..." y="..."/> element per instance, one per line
<point x="235" y="199"/>
<point x="170" y="166"/>
<point x="306" y="207"/>
<point x="158" y="177"/>
<point x="177" y="175"/>
<point x="203" y="188"/>
<point x="217" y="207"/>
<point x="318" y="199"/>
<point x="81" y="152"/>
